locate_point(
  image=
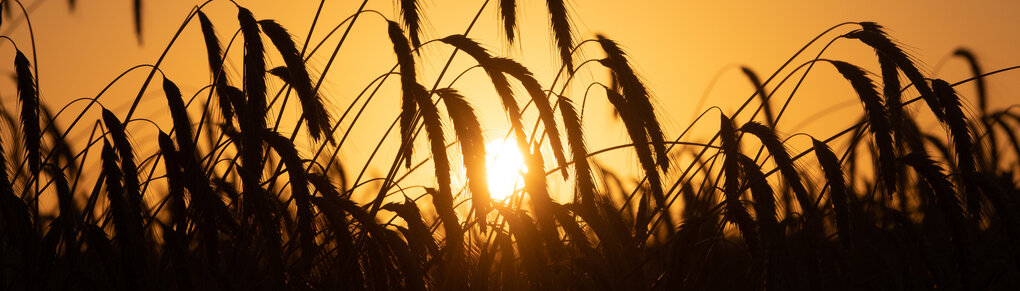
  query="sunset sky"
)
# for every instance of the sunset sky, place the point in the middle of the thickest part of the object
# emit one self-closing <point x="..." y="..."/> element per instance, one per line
<point x="678" y="47"/>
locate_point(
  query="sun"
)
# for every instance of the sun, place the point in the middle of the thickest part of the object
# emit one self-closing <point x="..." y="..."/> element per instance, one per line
<point x="504" y="166"/>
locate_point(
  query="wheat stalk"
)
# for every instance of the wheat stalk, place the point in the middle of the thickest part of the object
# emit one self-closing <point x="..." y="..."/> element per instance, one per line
<point x="508" y="13"/>
<point x="318" y="119"/>
<point x="878" y="120"/>
<point x="215" y="55"/>
<point x="472" y="145"/>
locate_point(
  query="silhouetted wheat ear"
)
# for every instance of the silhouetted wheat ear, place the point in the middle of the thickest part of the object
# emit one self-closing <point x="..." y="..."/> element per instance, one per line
<point x="254" y="67"/>
<point x="471" y="47"/>
<point x="508" y="13"/>
<point x="299" y="190"/>
<point x="878" y="120"/>
<point x="898" y="118"/>
<point x="785" y="164"/>
<point x="252" y="118"/>
<point x="636" y="131"/>
<point x="410" y="14"/>
<point x="318" y="119"/>
<point x="992" y="154"/>
<point x="472" y="146"/>
<point x="538" y="96"/>
<point x="838" y="192"/>
<point x="408" y="81"/>
<point x="175" y="182"/>
<point x="873" y="36"/>
<point x="561" y="31"/>
<point x="29" y="98"/>
<point x="956" y="120"/>
<point x="735" y="210"/>
<point x="762" y="94"/>
<point x="443" y="198"/>
<point x="585" y="183"/>
<point x="890" y="83"/>
<point x="215" y="54"/>
<point x="636" y="95"/>
<point x="764" y="202"/>
<point x="179" y="114"/>
<point x="132" y="188"/>
<point x="963" y="143"/>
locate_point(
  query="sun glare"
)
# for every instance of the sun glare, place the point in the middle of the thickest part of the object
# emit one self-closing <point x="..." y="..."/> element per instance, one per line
<point x="505" y="166"/>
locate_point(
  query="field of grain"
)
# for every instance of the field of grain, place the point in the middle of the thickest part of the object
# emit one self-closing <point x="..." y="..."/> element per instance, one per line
<point x="245" y="184"/>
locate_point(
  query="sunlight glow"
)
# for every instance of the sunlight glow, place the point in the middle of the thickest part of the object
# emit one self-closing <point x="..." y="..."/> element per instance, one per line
<point x="505" y="166"/>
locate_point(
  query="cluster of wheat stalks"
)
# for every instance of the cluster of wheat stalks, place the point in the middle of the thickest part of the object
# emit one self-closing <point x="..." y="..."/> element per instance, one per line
<point x="915" y="209"/>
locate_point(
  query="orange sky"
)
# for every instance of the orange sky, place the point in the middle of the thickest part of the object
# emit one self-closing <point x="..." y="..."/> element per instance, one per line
<point x="677" y="46"/>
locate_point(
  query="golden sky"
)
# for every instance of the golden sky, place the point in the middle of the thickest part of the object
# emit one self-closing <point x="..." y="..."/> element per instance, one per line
<point x="678" y="47"/>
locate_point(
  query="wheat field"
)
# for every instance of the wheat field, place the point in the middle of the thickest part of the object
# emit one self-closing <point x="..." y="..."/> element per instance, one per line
<point x="245" y="185"/>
